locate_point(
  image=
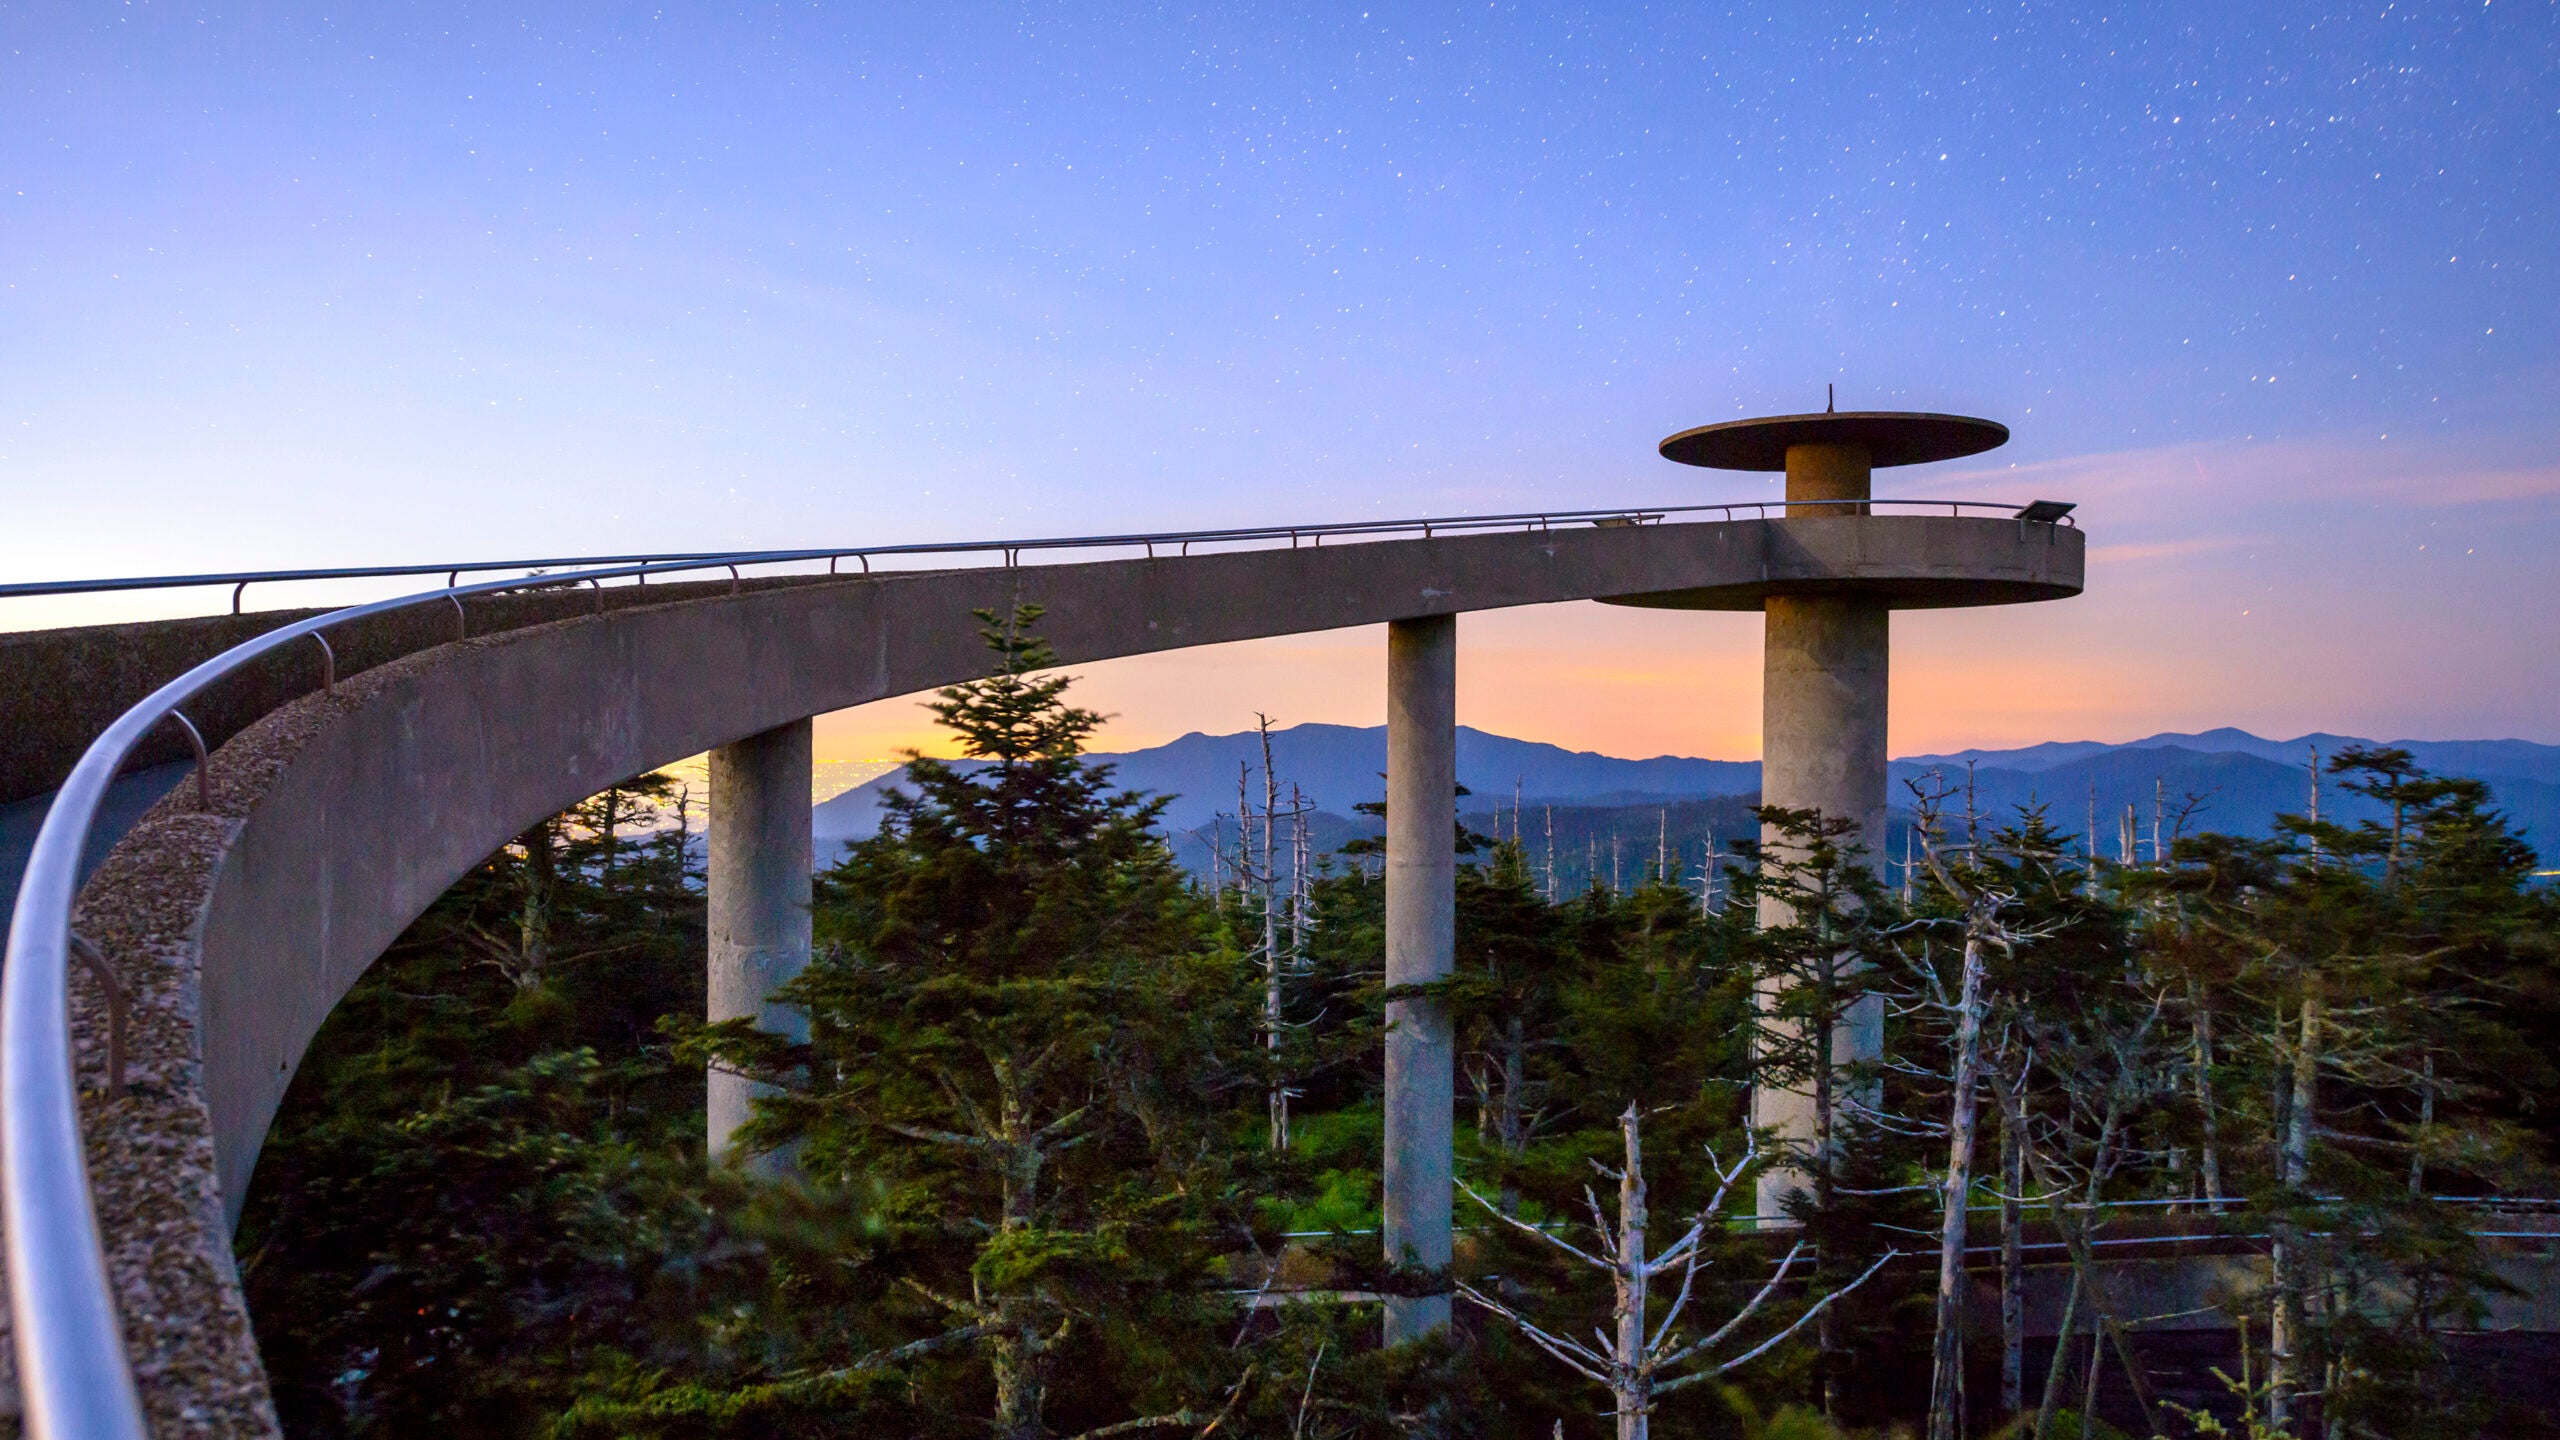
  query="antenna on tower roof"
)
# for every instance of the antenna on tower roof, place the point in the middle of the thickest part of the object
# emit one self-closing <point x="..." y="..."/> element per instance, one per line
<point x="1830" y="402"/>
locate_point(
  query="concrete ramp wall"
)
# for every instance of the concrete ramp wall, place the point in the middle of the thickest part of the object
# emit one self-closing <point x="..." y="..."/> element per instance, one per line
<point x="337" y="819"/>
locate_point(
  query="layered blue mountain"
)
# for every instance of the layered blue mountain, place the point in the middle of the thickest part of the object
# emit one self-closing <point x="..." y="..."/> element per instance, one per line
<point x="1609" y="817"/>
<point x="2226" y="779"/>
<point x="2233" y="791"/>
<point x="2479" y="759"/>
<point x="1339" y="766"/>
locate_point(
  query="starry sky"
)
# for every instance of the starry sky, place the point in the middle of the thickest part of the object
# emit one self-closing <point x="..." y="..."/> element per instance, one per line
<point x="2268" y="289"/>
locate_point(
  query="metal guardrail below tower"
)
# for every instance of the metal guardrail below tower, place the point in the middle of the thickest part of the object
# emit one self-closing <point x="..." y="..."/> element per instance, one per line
<point x="74" y="1378"/>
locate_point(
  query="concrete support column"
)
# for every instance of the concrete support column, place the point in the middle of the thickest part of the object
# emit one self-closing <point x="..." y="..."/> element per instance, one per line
<point x="1822" y="747"/>
<point x="1422" y="931"/>
<point x="1826" y="663"/>
<point x="760" y="864"/>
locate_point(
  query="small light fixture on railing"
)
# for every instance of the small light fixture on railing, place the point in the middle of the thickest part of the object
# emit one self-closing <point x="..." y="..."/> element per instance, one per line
<point x="2047" y="512"/>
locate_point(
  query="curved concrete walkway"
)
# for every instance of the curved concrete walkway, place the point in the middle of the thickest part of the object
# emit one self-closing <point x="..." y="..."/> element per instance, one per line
<point x="338" y="819"/>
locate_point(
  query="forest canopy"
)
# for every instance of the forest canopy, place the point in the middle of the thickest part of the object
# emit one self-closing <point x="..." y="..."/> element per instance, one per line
<point x="1080" y="1144"/>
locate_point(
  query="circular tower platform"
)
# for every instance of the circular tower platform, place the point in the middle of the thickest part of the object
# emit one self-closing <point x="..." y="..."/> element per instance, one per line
<point x="1826" y="661"/>
<point x="1890" y="437"/>
<point x="1830" y="459"/>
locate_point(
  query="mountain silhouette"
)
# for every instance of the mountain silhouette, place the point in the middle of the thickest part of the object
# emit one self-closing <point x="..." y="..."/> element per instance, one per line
<point x="2240" y="782"/>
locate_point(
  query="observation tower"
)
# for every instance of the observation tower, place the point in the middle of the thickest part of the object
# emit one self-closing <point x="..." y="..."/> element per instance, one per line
<point x="236" y="912"/>
<point x="1827" y="662"/>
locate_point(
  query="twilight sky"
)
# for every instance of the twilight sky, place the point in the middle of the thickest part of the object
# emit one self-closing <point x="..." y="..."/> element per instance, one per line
<point x="2269" y="289"/>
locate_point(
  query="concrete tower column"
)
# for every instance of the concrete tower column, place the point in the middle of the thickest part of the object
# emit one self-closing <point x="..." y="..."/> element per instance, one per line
<point x="1422" y="934"/>
<point x="1826" y="665"/>
<point x="760" y="864"/>
<point x="1829" y="471"/>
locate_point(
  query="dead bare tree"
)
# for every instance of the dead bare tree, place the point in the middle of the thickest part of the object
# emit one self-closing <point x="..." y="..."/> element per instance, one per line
<point x="1969" y="1008"/>
<point x="2105" y="1066"/>
<point x="2089" y="838"/>
<point x="1259" y="881"/>
<point x="2013" y="1297"/>
<point x="1273" y="1000"/>
<point x="1982" y="931"/>
<point x="2172" y="933"/>
<point x="1639" y="1359"/>
<point x="1708" y="873"/>
<point x="2104" y="1072"/>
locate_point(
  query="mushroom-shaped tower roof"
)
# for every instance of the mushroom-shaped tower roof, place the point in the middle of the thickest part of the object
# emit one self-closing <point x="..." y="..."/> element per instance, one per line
<point x="1891" y="437"/>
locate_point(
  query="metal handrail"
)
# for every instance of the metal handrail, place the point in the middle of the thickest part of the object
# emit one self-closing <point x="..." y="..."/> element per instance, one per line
<point x="240" y="580"/>
<point x="73" y="1377"/>
<point x="73" y="1374"/>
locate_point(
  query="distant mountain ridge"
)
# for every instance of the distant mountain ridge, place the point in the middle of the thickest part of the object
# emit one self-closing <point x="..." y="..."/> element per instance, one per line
<point x="1339" y="766"/>
<point x="2479" y="759"/>
<point x="2245" y="779"/>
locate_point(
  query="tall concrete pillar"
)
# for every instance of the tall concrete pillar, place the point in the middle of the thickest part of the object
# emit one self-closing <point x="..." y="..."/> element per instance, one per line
<point x="1826" y="664"/>
<point x="1825" y="669"/>
<point x="1422" y="938"/>
<point x="1823" y="700"/>
<point x="760" y="864"/>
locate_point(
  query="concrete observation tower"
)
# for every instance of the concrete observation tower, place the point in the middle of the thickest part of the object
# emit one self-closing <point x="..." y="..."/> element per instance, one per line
<point x="1827" y="660"/>
<point x="259" y="895"/>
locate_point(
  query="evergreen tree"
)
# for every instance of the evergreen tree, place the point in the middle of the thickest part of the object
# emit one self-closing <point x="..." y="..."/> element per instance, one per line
<point x="483" y="1182"/>
<point x="1813" y="962"/>
<point x="1033" y="1190"/>
<point x="1023" y="1027"/>
<point x="1507" y="1002"/>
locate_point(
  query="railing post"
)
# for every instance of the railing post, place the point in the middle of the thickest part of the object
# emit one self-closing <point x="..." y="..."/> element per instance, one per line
<point x="119" y="1010"/>
<point x="204" y="762"/>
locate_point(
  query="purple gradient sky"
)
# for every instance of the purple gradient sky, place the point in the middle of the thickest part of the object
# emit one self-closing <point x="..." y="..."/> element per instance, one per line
<point x="2268" y="289"/>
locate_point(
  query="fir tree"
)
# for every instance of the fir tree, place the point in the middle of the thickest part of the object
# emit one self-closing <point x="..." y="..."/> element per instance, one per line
<point x="1024" y="1027"/>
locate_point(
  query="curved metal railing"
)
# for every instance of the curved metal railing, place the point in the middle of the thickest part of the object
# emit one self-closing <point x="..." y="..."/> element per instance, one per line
<point x="73" y="1375"/>
<point x="1178" y="541"/>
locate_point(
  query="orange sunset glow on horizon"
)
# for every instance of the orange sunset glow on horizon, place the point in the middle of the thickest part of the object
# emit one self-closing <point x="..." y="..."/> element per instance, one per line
<point x="2257" y="585"/>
